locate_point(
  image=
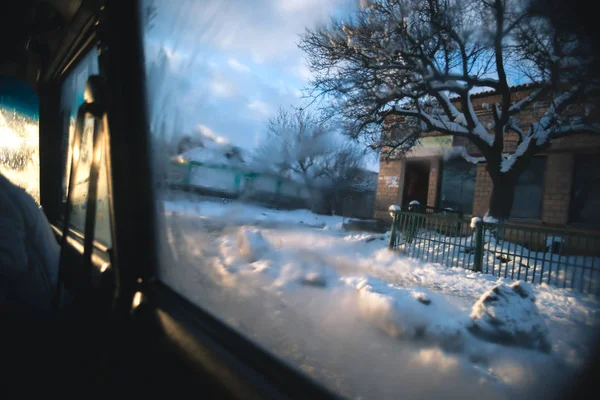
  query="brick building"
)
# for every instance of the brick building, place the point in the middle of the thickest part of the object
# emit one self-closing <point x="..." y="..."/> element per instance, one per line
<point x="561" y="187"/>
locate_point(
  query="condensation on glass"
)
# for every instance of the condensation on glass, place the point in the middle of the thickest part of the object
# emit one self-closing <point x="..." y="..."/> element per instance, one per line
<point x="19" y="135"/>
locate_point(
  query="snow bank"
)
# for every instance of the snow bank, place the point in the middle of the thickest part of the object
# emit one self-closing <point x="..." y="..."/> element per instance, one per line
<point x="508" y="314"/>
<point x="240" y="213"/>
<point x="246" y="254"/>
<point x="251" y="245"/>
<point x="306" y="271"/>
<point x="408" y="313"/>
<point x="313" y="294"/>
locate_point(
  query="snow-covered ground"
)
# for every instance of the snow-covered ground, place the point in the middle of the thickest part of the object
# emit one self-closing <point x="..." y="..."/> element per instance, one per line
<point x="226" y="212"/>
<point x="366" y="321"/>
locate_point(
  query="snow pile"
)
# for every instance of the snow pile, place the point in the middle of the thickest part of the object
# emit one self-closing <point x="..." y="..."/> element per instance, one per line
<point x="251" y="245"/>
<point x="508" y="314"/>
<point x="408" y="313"/>
<point x="474" y="222"/>
<point x="246" y="254"/>
<point x="307" y="271"/>
<point x="329" y="227"/>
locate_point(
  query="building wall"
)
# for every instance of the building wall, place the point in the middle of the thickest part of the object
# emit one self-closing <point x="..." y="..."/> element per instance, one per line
<point x="434" y="176"/>
<point x="557" y="179"/>
<point x="483" y="191"/>
<point x="390" y="183"/>
<point x="557" y="188"/>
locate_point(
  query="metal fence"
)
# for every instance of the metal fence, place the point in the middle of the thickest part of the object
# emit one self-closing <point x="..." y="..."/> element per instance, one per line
<point x="561" y="258"/>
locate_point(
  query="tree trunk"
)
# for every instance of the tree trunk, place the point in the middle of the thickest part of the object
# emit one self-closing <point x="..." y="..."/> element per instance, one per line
<point x="503" y="193"/>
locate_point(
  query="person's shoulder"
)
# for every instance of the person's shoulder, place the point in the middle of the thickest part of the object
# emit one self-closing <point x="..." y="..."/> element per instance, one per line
<point x="15" y="200"/>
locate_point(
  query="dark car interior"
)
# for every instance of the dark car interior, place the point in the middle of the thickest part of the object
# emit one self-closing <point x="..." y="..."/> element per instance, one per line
<point x="122" y="327"/>
<point x="113" y="334"/>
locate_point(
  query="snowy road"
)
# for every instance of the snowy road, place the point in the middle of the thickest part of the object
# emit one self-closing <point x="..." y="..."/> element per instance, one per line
<point x="361" y="319"/>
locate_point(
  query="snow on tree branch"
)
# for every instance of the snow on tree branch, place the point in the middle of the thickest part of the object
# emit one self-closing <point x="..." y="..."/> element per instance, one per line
<point x="575" y="128"/>
<point x="526" y="101"/>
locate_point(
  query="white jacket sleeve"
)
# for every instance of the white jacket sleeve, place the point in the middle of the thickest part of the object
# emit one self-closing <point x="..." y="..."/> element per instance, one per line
<point x="29" y="251"/>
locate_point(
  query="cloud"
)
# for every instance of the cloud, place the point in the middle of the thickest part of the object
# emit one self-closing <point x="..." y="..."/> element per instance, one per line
<point x="293" y="6"/>
<point x="260" y="107"/>
<point x="232" y="62"/>
<point x="302" y="71"/>
<point x="222" y="87"/>
<point x="237" y="66"/>
<point x="263" y="29"/>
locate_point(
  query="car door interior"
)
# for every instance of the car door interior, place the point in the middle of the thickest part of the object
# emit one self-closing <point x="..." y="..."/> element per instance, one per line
<point x="122" y="326"/>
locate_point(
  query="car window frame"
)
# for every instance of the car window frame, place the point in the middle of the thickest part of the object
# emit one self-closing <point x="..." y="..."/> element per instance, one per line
<point x="89" y="47"/>
<point x="197" y="333"/>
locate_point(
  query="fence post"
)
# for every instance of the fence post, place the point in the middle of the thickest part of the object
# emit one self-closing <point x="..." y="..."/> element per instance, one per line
<point x="394" y="214"/>
<point x="478" y="262"/>
<point x="392" y="242"/>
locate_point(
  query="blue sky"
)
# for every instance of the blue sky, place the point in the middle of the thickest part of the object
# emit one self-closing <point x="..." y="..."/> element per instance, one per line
<point x="232" y="63"/>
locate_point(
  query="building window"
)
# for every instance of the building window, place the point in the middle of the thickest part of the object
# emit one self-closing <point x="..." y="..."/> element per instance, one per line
<point x="529" y="191"/>
<point x="585" y="193"/>
<point x="458" y="185"/>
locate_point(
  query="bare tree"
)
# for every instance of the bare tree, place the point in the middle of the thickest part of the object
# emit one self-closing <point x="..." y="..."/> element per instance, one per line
<point x="342" y="169"/>
<point x="401" y="63"/>
<point x="300" y="144"/>
<point x="296" y="143"/>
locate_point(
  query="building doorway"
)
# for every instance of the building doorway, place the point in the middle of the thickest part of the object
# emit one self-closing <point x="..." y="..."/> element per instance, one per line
<point x="416" y="182"/>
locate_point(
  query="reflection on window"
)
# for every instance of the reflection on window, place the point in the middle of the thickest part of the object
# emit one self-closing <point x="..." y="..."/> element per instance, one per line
<point x="19" y="144"/>
<point x="72" y="90"/>
<point x="585" y="193"/>
<point x="458" y="185"/>
<point x="529" y="191"/>
<point x="249" y="176"/>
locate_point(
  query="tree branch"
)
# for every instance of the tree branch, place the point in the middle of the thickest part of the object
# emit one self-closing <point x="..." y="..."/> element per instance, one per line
<point x="574" y="129"/>
<point x="512" y="124"/>
<point x="528" y="100"/>
<point x="504" y="89"/>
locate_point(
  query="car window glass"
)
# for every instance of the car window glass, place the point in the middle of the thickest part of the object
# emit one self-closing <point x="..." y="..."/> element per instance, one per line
<point x="72" y="91"/>
<point x="19" y="135"/>
<point x="257" y="174"/>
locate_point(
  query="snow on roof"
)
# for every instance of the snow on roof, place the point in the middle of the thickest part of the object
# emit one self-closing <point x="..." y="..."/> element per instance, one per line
<point x="214" y="156"/>
<point x="210" y="148"/>
<point x="491" y="92"/>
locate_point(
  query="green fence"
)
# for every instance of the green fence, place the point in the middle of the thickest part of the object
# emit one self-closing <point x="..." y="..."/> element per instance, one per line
<point x="561" y="258"/>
